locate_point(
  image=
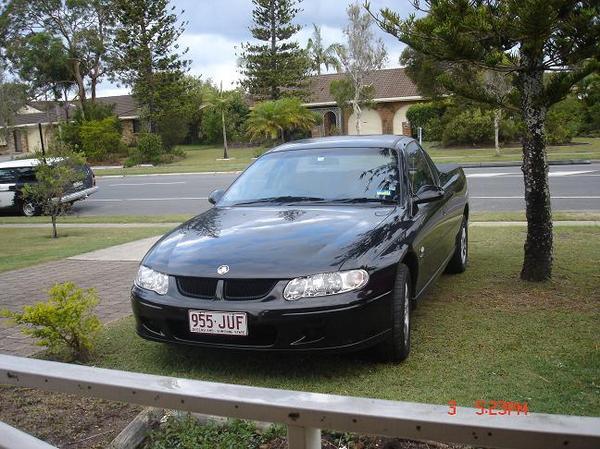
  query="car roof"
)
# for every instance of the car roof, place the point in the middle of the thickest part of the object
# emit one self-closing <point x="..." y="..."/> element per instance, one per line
<point x="18" y="163"/>
<point x="371" y="141"/>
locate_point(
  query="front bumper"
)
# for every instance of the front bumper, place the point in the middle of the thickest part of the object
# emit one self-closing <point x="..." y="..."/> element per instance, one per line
<point x="79" y="195"/>
<point x="344" y="322"/>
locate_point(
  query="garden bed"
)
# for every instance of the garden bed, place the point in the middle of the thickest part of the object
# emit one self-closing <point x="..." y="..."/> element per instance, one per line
<point x="65" y="421"/>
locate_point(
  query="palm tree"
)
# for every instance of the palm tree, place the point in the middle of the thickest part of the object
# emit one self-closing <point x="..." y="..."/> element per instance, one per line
<point x="271" y="119"/>
<point x="220" y="101"/>
<point x="319" y="55"/>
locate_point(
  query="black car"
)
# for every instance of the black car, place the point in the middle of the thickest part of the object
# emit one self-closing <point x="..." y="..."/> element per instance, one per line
<point x="321" y="244"/>
<point x="14" y="175"/>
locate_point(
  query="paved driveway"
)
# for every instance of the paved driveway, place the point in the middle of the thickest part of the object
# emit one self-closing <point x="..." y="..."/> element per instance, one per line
<point x="111" y="279"/>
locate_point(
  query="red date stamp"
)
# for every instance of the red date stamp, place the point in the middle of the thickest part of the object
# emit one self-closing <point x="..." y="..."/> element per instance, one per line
<point x="493" y="408"/>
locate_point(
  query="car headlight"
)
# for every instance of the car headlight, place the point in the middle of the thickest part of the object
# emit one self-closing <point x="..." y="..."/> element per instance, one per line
<point x="152" y="280"/>
<point x="325" y="284"/>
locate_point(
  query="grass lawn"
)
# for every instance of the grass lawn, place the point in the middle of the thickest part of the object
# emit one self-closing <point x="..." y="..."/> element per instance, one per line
<point x="520" y="216"/>
<point x="580" y="148"/>
<point x="200" y="158"/>
<point x="203" y="158"/>
<point x="21" y="247"/>
<point x="176" y="218"/>
<point x="479" y="335"/>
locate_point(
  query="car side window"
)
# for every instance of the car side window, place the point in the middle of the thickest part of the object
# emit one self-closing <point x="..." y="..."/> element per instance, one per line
<point x="7" y="176"/>
<point x="419" y="172"/>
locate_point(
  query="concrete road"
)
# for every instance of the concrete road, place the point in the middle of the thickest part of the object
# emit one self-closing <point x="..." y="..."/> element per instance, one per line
<point x="573" y="187"/>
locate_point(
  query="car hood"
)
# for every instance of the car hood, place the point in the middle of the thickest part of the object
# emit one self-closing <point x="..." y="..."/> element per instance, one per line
<point x="270" y="242"/>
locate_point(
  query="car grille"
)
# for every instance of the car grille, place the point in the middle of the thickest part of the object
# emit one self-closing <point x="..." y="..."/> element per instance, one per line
<point x="233" y="289"/>
<point x="205" y="288"/>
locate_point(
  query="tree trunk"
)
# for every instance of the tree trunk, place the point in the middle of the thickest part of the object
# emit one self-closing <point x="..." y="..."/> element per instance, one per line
<point x="80" y="85"/>
<point x="54" y="232"/>
<point x="357" y="110"/>
<point x="497" y="115"/>
<point x="537" y="263"/>
<point x="225" y="155"/>
<point x="274" y="89"/>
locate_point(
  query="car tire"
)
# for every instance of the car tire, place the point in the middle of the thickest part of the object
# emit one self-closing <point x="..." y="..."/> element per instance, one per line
<point x="397" y="346"/>
<point x="460" y="258"/>
<point x="28" y="209"/>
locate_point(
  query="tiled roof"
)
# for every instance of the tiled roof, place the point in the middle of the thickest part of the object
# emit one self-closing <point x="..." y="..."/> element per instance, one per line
<point x="388" y="83"/>
<point x="124" y="106"/>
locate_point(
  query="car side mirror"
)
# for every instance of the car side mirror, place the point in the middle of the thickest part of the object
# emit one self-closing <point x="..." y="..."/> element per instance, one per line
<point x="428" y="194"/>
<point x="215" y="196"/>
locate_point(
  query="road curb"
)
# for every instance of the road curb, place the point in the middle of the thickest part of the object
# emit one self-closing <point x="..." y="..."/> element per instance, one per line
<point x="518" y="163"/>
<point x="235" y="172"/>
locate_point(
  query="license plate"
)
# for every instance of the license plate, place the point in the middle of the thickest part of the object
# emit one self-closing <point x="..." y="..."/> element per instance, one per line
<point x="219" y="323"/>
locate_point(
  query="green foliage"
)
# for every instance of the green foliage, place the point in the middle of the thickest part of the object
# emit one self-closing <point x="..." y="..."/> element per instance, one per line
<point x="13" y="97"/>
<point x="470" y="126"/>
<point x="149" y="150"/>
<point x="319" y="55"/>
<point x="65" y="320"/>
<point x="55" y="174"/>
<point x="277" y="119"/>
<point x="589" y="92"/>
<point x="187" y="433"/>
<point x="564" y="120"/>
<point x="429" y="117"/>
<point x="343" y="92"/>
<point x="276" y="65"/>
<point x="236" y="112"/>
<point x="101" y="139"/>
<point x="147" y="59"/>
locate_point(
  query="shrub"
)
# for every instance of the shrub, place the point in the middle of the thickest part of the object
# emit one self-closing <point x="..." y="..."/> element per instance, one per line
<point x="471" y="126"/>
<point x="101" y="139"/>
<point x="429" y="117"/>
<point x="149" y="150"/>
<point x="187" y="433"/>
<point x="565" y="120"/>
<point x="66" y="319"/>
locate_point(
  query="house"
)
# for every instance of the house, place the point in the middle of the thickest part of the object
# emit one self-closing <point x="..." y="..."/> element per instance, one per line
<point x="37" y="122"/>
<point x="394" y="94"/>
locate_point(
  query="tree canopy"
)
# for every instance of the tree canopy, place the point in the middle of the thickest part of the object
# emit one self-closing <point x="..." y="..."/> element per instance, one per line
<point x="276" y="65"/>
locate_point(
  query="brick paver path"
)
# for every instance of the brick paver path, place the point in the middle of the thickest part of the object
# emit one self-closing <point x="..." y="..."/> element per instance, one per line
<point x="26" y="286"/>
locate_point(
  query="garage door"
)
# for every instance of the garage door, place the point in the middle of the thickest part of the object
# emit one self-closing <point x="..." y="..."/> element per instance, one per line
<point x="370" y="123"/>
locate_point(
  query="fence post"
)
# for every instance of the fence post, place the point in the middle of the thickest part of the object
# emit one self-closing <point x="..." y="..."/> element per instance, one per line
<point x="304" y="437"/>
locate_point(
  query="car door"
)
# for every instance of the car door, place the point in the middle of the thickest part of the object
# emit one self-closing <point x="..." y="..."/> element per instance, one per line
<point x="451" y="214"/>
<point x="7" y="188"/>
<point x="428" y="217"/>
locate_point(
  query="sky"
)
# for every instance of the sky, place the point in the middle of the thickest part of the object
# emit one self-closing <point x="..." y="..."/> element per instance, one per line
<point x="216" y="29"/>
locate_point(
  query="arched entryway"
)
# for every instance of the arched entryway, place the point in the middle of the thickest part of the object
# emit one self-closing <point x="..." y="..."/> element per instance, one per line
<point x="330" y="124"/>
<point x="400" y="120"/>
<point x="370" y="123"/>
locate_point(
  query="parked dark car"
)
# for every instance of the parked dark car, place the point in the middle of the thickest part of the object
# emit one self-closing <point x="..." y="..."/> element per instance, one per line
<point x="321" y="244"/>
<point x="14" y="175"/>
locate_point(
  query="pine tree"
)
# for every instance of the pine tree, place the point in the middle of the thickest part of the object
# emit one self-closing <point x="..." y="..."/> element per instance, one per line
<point x="546" y="46"/>
<point x="146" y="55"/>
<point x="277" y="66"/>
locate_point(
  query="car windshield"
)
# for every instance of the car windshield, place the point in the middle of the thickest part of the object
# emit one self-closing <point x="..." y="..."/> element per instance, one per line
<point x="350" y="175"/>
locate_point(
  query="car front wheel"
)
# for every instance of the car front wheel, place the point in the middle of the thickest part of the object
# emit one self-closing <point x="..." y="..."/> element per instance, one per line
<point x="397" y="347"/>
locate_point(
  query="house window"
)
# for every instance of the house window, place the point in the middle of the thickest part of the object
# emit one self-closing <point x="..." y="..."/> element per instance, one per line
<point x="136" y="126"/>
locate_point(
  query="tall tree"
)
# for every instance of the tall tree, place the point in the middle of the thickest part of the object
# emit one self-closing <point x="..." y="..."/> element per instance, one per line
<point x="548" y="46"/>
<point x="147" y="57"/>
<point x="13" y="97"/>
<point x="82" y="28"/>
<point x="220" y="102"/>
<point x="277" y="65"/>
<point x="362" y="54"/>
<point x="319" y="54"/>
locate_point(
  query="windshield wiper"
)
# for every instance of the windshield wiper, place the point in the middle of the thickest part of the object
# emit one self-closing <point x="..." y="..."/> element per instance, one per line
<point x="281" y="199"/>
<point x="364" y="200"/>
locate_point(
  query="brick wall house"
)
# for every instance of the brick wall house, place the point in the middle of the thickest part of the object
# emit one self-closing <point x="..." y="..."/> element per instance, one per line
<point x="394" y="94"/>
<point x="24" y="135"/>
